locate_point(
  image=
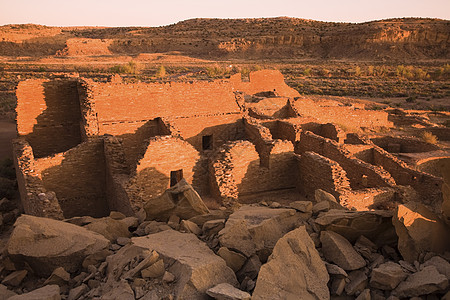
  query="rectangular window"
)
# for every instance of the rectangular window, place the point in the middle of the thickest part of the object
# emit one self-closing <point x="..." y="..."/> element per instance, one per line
<point x="175" y="177"/>
<point x="207" y="142"/>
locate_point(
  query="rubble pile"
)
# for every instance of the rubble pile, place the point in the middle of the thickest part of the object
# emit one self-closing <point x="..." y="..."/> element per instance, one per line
<point x="303" y="250"/>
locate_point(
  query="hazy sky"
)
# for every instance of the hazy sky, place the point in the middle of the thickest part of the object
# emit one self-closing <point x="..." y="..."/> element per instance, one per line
<point x="163" y="12"/>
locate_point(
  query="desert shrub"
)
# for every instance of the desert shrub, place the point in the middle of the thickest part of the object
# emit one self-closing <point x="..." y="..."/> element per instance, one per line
<point x="161" y="72"/>
<point x="130" y="68"/>
<point x="428" y="137"/>
<point x="411" y="99"/>
<point x="216" y="71"/>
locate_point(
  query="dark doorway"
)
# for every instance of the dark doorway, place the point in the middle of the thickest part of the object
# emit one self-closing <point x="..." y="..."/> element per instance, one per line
<point x="207" y="142"/>
<point x="175" y="176"/>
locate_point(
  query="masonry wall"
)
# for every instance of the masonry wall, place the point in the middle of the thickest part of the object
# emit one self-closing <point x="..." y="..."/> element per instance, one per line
<point x="77" y="176"/>
<point x="429" y="187"/>
<point x="318" y="172"/>
<point x="263" y="81"/>
<point x="222" y="127"/>
<point x="152" y="175"/>
<point x="407" y="145"/>
<point x="236" y="170"/>
<point x="284" y="130"/>
<point x="151" y="100"/>
<point x="117" y="176"/>
<point x="361" y="174"/>
<point x="342" y="115"/>
<point x="48" y="115"/>
<point x="35" y="198"/>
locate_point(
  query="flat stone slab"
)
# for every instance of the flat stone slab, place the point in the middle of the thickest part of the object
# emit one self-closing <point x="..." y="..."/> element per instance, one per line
<point x="194" y="265"/>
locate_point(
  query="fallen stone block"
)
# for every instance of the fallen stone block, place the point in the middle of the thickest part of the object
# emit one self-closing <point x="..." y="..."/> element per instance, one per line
<point x="181" y="200"/>
<point x="294" y="270"/>
<point x="338" y="250"/>
<point x="424" y="282"/>
<point x="46" y="244"/>
<point x="225" y="291"/>
<point x="110" y="228"/>
<point x="374" y="225"/>
<point x="387" y="276"/>
<point x="253" y="229"/>
<point x="419" y="230"/>
<point x="194" y="265"/>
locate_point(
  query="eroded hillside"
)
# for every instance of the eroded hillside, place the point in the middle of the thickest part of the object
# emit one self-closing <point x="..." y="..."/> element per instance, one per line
<point x="274" y="38"/>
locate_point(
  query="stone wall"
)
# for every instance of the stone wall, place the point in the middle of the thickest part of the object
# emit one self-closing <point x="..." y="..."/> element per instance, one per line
<point x="429" y="187"/>
<point x="152" y="174"/>
<point x="263" y="81"/>
<point x="236" y="170"/>
<point x="117" y="176"/>
<point x="318" y="172"/>
<point x="48" y="115"/>
<point x="36" y="200"/>
<point x="345" y="116"/>
<point x="77" y="176"/>
<point x="405" y="145"/>
<point x="360" y="173"/>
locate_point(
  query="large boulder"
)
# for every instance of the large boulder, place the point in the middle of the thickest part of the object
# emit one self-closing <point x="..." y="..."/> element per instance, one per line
<point x="375" y="225"/>
<point x="293" y="271"/>
<point x="181" y="200"/>
<point x="46" y="244"/>
<point x="419" y="230"/>
<point x="255" y="229"/>
<point x="338" y="250"/>
<point x="194" y="265"/>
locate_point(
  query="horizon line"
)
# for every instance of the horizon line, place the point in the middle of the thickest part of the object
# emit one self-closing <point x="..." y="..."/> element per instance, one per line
<point x="236" y="18"/>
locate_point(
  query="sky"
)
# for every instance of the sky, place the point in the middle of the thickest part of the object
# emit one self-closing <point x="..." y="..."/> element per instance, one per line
<point x="164" y="12"/>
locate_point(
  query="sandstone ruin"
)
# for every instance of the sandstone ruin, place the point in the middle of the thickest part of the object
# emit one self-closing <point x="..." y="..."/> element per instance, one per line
<point x="88" y="148"/>
<point x="222" y="189"/>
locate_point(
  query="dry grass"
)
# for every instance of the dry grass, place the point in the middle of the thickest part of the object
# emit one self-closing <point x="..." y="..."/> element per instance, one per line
<point x="428" y="137"/>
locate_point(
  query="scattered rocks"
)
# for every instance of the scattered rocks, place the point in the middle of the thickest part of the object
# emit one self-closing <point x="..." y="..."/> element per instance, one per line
<point x="294" y="270"/>
<point x="48" y="292"/>
<point x="253" y="229"/>
<point x="374" y="225"/>
<point x="46" y="244"/>
<point x="225" y="291"/>
<point x="194" y="265"/>
<point x="59" y="277"/>
<point x="424" y="282"/>
<point x="302" y="206"/>
<point x="387" y="276"/>
<point x="181" y="200"/>
<point x="338" y="250"/>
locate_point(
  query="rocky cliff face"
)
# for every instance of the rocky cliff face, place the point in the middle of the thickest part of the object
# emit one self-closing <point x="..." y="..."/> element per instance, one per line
<point x="277" y="38"/>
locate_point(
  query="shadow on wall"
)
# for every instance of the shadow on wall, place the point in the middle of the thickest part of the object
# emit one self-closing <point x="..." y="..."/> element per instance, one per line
<point x="280" y="175"/>
<point x="78" y="179"/>
<point x="57" y="128"/>
<point x="219" y="135"/>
